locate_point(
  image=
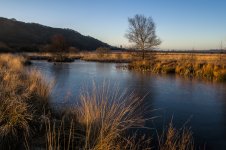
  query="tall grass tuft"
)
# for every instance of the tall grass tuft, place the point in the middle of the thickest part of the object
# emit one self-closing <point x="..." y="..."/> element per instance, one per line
<point x="100" y="120"/>
<point x="107" y="116"/>
<point x="24" y="96"/>
<point x="174" y="139"/>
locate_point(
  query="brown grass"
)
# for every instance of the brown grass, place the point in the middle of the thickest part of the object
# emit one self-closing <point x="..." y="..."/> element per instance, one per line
<point x="193" y="69"/>
<point x="103" y="116"/>
<point x="107" y="57"/>
<point x="24" y="97"/>
<point x="174" y="139"/>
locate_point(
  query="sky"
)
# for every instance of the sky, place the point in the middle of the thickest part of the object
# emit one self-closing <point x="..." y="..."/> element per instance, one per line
<point x="180" y="24"/>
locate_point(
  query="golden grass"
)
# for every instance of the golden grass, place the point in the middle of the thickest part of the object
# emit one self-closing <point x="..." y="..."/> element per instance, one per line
<point x="102" y="117"/>
<point x="61" y="134"/>
<point x="113" y="56"/>
<point x="107" y="57"/>
<point x="192" y="69"/>
<point x="141" y="65"/>
<point x="174" y="139"/>
<point x="106" y="116"/>
<point x="24" y="96"/>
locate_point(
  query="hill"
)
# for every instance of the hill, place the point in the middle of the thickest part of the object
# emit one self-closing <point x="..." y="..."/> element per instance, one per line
<point x="20" y="36"/>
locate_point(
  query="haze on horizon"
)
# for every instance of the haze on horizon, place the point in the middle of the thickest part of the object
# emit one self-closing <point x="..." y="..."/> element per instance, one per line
<point x="198" y="24"/>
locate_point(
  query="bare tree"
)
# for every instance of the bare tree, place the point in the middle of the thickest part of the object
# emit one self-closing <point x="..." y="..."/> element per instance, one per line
<point x="59" y="46"/>
<point x="142" y="33"/>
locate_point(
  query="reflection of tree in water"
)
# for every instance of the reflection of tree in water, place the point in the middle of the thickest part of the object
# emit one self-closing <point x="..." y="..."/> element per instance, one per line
<point x="142" y="86"/>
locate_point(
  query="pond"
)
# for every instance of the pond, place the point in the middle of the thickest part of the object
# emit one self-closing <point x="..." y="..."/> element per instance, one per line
<point x="197" y="104"/>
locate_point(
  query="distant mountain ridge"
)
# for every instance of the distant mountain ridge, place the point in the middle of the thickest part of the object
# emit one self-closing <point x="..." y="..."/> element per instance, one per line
<point x="21" y="36"/>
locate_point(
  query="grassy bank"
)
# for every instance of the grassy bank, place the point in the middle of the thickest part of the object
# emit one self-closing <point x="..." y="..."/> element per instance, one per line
<point x="100" y="120"/>
<point x="86" y="56"/>
<point x="118" y="57"/>
<point x="192" y="69"/>
<point x="24" y="99"/>
<point x="108" y="57"/>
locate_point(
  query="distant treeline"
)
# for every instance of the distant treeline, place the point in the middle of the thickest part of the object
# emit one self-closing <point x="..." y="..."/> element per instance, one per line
<point x="21" y="36"/>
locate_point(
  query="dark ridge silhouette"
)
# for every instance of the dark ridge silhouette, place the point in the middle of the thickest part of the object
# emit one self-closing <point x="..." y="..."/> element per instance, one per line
<point x="20" y="36"/>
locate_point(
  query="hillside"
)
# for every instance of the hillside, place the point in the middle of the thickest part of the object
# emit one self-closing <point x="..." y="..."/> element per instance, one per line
<point x="20" y="36"/>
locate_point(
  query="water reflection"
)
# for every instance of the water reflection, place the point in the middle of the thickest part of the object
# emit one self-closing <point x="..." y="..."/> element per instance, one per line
<point x="202" y="103"/>
<point x="60" y="72"/>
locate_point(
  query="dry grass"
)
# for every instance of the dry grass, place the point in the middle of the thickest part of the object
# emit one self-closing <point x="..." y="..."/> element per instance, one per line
<point x="191" y="69"/>
<point x="174" y="139"/>
<point x="102" y="117"/>
<point x="112" y="56"/>
<point x="61" y="134"/>
<point x="107" y="57"/>
<point x="192" y="57"/>
<point x="140" y="65"/>
<point x="106" y="116"/>
<point x="24" y="97"/>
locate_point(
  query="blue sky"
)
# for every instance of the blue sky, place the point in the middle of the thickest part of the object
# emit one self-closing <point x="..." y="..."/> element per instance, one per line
<point x="181" y="24"/>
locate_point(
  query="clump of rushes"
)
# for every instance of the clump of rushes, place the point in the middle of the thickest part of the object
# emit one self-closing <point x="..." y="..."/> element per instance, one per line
<point x="105" y="115"/>
<point x="99" y="120"/>
<point x="174" y="139"/>
<point x="24" y="97"/>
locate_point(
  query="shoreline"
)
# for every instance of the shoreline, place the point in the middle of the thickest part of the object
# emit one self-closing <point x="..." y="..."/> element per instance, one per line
<point x="202" y="66"/>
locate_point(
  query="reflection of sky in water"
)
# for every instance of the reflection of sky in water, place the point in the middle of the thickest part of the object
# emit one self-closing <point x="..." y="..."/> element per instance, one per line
<point x="204" y="104"/>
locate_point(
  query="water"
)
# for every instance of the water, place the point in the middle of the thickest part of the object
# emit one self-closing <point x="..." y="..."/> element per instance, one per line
<point x="199" y="104"/>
